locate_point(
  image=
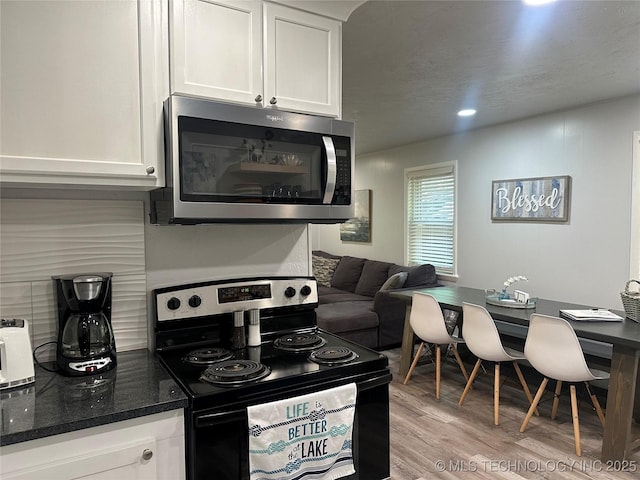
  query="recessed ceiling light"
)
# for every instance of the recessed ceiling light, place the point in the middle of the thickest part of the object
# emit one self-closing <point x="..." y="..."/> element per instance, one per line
<point x="535" y="3"/>
<point x="467" y="112"/>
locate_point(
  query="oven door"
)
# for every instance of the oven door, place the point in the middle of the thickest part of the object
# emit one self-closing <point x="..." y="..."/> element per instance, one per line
<point x="218" y="445"/>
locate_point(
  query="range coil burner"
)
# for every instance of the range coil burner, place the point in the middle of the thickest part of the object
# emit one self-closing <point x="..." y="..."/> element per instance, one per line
<point x="235" y="372"/>
<point x="207" y="356"/>
<point x="299" y="342"/>
<point x="333" y="355"/>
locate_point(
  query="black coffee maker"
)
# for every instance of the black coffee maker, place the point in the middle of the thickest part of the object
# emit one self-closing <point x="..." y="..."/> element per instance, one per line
<point x="86" y="345"/>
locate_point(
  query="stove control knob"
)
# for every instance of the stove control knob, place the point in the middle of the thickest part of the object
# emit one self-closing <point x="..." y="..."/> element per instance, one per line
<point x="306" y="290"/>
<point x="173" y="303"/>
<point x="195" y="301"/>
<point x="289" y="292"/>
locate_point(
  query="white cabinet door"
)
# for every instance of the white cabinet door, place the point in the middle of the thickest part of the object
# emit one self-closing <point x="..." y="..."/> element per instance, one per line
<point x="216" y="49"/>
<point x="131" y="462"/>
<point x="302" y="66"/>
<point x="256" y="53"/>
<point x="79" y="97"/>
<point x="146" y="448"/>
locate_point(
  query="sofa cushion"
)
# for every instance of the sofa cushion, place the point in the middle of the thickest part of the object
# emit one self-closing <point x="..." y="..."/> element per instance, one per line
<point x="397" y="280"/>
<point x="323" y="268"/>
<point x="324" y="290"/>
<point x="373" y="276"/>
<point x="335" y="295"/>
<point x="346" y="316"/>
<point x="343" y="297"/>
<point x="347" y="273"/>
<point x="419" y="275"/>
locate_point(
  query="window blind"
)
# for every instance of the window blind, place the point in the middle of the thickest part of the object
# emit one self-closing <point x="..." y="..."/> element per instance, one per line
<point x="431" y="217"/>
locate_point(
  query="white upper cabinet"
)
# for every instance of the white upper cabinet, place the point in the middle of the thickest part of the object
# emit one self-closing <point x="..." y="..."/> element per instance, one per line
<point x="216" y="49"/>
<point x="256" y="53"/>
<point x="81" y="93"/>
<point x="302" y="66"/>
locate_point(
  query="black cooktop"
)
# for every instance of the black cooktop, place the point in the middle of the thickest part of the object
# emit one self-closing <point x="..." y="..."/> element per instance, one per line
<point x="285" y="369"/>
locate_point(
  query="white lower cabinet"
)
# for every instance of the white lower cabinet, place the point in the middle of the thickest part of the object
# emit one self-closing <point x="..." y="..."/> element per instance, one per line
<point x="149" y="448"/>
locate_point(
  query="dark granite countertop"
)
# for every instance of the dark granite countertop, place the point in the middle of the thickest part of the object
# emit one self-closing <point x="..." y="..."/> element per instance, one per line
<point x="55" y="404"/>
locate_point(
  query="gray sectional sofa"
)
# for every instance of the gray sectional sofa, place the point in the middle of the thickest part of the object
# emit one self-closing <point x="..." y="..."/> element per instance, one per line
<point x="354" y="300"/>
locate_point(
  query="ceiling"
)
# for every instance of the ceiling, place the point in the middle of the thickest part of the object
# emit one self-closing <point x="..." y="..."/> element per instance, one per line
<point x="409" y="66"/>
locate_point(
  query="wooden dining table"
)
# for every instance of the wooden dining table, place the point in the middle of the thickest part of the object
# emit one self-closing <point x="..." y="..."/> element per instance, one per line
<point x="623" y="397"/>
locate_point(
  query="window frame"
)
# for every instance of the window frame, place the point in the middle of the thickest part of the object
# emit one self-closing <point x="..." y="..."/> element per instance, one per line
<point x="431" y="169"/>
<point x="634" y="263"/>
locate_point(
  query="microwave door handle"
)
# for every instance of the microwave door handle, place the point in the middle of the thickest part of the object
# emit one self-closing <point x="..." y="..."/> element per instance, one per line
<point x="331" y="170"/>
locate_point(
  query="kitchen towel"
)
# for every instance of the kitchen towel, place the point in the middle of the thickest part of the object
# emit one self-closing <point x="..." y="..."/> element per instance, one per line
<point x="306" y="437"/>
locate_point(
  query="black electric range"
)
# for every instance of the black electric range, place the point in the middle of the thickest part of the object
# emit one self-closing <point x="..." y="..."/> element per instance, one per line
<point x="231" y="344"/>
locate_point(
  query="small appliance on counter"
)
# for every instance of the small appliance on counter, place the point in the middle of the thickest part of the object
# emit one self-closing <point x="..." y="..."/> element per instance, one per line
<point x="16" y="362"/>
<point x="86" y="345"/>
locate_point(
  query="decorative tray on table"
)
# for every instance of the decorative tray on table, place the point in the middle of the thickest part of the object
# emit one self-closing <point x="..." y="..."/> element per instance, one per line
<point x="497" y="298"/>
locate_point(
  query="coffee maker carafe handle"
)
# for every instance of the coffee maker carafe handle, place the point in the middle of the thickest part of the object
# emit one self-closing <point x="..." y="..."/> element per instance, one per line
<point x="84" y="336"/>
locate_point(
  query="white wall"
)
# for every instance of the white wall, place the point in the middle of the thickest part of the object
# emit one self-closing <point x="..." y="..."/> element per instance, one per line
<point x="56" y="232"/>
<point x="41" y="238"/>
<point x="584" y="261"/>
<point x="191" y="253"/>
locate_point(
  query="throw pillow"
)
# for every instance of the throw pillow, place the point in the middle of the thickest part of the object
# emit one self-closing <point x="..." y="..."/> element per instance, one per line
<point x="323" y="269"/>
<point x="374" y="274"/>
<point x="321" y="253"/>
<point x="394" y="281"/>
<point x="347" y="273"/>
<point x="419" y="276"/>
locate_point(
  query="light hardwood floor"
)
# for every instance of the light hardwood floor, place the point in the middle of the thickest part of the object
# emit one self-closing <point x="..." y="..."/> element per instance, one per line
<point x="433" y="439"/>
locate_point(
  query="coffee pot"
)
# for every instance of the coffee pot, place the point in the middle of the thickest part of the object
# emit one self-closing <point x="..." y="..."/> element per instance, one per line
<point x="86" y="344"/>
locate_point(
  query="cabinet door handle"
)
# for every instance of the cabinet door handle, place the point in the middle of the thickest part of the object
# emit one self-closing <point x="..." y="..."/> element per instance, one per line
<point x="258" y="98"/>
<point x="150" y="170"/>
<point x="147" y="454"/>
<point x="273" y="100"/>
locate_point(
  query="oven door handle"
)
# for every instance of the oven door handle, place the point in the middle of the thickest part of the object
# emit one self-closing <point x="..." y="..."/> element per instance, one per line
<point x="375" y="382"/>
<point x="220" y="417"/>
<point x="380" y="379"/>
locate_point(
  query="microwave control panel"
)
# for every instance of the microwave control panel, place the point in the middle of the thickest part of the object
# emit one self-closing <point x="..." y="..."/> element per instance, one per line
<point x="342" y="194"/>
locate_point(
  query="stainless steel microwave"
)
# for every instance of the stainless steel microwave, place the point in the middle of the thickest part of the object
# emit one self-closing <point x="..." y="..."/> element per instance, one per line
<point x="229" y="163"/>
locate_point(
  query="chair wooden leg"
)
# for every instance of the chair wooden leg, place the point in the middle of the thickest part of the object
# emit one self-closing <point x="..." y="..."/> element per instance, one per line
<point x="414" y="363"/>
<point x="460" y="364"/>
<point x="534" y="404"/>
<point x="596" y="404"/>
<point x="525" y="387"/>
<point x="576" y="422"/>
<point x="437" y="372"/>
<point x="496" y="394"/>
<point x="470" y="381"/>
<point x="556" y="399"/>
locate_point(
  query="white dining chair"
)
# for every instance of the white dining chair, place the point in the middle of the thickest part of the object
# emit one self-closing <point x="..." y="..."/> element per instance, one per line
<point x="553" y="349"/>
<point x="428" y="324"/>
<point x="481" y="336"/>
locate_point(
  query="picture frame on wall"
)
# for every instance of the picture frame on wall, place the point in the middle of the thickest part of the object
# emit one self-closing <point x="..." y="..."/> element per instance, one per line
<point x="358" y="229"/>
<point x="540" y="199"/>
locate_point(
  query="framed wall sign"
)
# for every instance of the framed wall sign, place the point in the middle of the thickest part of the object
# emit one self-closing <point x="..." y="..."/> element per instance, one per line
<point x="358" y="229"/>
<point x="543" y="199"/>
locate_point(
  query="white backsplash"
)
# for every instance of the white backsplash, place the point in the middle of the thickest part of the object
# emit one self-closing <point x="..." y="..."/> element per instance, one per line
<point x="41" y="238"/>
